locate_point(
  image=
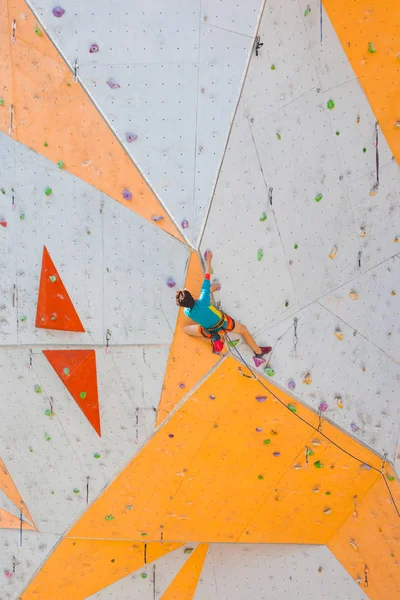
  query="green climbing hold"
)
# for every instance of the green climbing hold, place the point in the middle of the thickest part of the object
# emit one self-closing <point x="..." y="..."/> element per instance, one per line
<point x="3" y="191"/>
<point x="272" y="67"/>
<point x="38" y="389"/>
<point x="60" y="164"/>
<point x="233" y="343"/>
<point x="68" y="83"/>
<point x="266" y="442"/>
<point x="364" y="150"/>
<point x="47" y="437"/>
<point x="330" y="104"/>
<point x="109" y="517"/>
<point x="309" y="452"/>
<point x="1" y="101"/>
<point x="327" y="493"/>
<point x="23" y="319"/>
<point x="144" y="576"/>
<point x="371" y="48"/>
<point x="66" y="371"/>
<point x="338" y="133"/>
<point x="48" y="191"/>
<point x="49" y="413"/>
<point x="21" y="216"/>
<point x="53" y="278"/>
<point x="390" y="477"/>
<point x="278" y="136"/>
<point x="295" y="246"/>
<point x="76" y="491"/>
<point x="38" y="31"/>
<point x="143" y="534"/>
<point x="318" y="197"/>
<point x="260" y="477"/>
<point x="307" y="11"/>
<point x="53" y="317"/>
<point x="82" y="395"/>
<point x="292" y="407"/>
<point x="46" y="145"/>
<point x="318" y="464"/>
<point x="269" y="372"/>
<point x="97" y="455"/>
<point x="263" y="217"/>
<point x="260" y="255"/>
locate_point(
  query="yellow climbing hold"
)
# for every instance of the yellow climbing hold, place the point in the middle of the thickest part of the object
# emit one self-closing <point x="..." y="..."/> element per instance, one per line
<point x="339" y="402"/>
<point x="392" y="293"/>
<point x="333" y="253"/>
<point x="338" y="334"/>
<point x="353" y="295"/>
<point x="363" y="233"/>
<point x="307" y="379"/>
<point x="353" y="544"/>
<point x="396" y="239"/>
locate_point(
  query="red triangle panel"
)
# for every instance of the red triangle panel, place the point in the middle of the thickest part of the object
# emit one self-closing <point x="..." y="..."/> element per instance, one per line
<point x="54" y="308"/>
<point x="77" y="371"/>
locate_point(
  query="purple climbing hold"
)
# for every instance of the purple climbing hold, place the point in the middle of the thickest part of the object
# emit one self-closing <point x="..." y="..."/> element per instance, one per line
<point x="185" y="224"/>
<point x="58" y="11"/>
<point x="94" y="48"/>
<point x="291" y="385"/>
<point x="156" y="219"/>
<point x="170" y="282"/>
<point x="365" y="466"/>
<point x="182" y="386"/>
<point x="323" y="407"/>
<point x="261" y="398"/>
<point x="259" y="429"/>
<point x="131" y="137"/>
<point x="205" y="254"/>
<point x="113" y="84"/>
<point x="212" y="397"/>
<point x="258" y="361"/>
<point x="171" y="435"/>
<point x="276" y="454"/>
<point x="127" y="195"/>
<point x="354" y="427"/>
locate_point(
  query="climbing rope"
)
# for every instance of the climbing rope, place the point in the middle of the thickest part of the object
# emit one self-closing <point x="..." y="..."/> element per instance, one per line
<point x="317" y="430"/>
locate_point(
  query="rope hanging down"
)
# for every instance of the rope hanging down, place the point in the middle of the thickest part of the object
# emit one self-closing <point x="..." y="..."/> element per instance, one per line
<point x="317" y="430"/>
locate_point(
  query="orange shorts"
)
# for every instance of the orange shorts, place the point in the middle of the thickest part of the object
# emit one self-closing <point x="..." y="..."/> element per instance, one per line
<point x="229" y="325"/>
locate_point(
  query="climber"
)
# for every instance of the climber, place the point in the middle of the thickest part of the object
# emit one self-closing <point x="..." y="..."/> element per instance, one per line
<point x="210" y="320"/>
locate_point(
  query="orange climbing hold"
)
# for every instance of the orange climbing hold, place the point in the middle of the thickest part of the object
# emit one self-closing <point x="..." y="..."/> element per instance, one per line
<point x="77" y="371"/>
<point x="10" y="490"/>
<point x="55" y="309"/>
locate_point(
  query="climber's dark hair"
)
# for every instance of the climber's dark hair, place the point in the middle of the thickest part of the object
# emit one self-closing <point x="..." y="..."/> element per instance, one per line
<point x="184" y="298"/>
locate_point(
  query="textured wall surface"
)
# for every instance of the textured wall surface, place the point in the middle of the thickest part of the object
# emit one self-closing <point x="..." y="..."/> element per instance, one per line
<point x="133" y="460"/>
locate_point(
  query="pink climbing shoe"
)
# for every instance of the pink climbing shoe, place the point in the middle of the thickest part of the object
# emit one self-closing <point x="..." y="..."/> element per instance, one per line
<point x="264" y="350"/>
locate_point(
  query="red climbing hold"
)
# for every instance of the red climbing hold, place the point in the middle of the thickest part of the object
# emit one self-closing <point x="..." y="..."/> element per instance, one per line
<point x="3" y="223"/>
<point x="81" y="376"/>
<point x="54" y="308"/>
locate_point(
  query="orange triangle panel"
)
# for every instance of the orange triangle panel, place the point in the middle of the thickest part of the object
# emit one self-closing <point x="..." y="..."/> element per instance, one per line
<point x="54" y="308"/>
<point x="190" y="358"/>
<point x="10" y="489"/>
<point x="9" y="521"/>
<point x="184" y="585"/>
<point x="77" y="371"/>
<point x="36" y="81"/>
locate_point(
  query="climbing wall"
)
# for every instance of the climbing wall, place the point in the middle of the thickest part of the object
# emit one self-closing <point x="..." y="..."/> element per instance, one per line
<point x="167" y="78"/>
<point x="132" y="459"/>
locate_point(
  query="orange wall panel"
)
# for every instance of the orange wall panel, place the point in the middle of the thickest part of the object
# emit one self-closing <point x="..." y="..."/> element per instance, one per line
<point x="358" y="23"/>
<point x="189" y="358"/>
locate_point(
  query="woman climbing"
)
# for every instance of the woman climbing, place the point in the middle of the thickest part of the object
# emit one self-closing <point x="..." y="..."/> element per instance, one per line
<point x="211" y="321"/>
